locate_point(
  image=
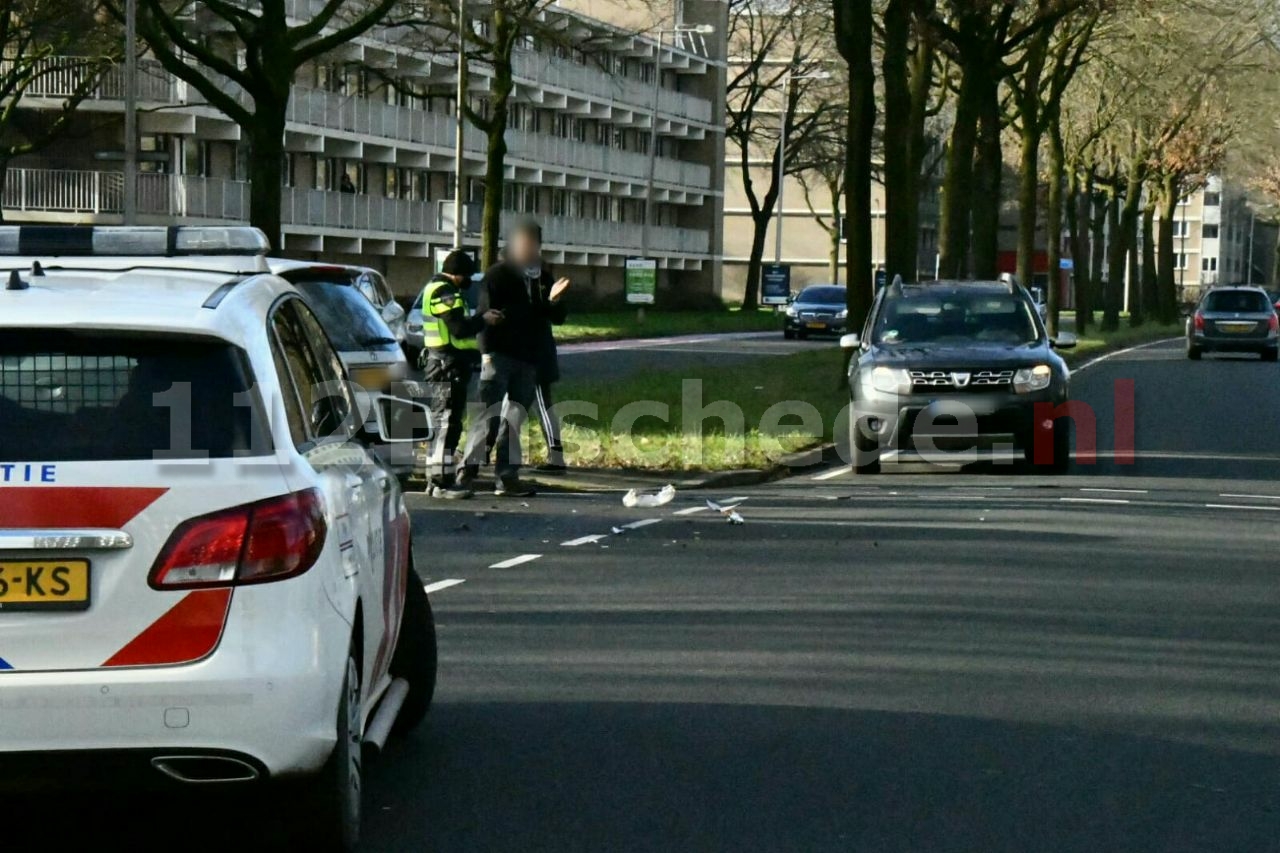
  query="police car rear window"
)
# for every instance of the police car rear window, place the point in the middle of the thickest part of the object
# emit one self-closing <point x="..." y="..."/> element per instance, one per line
<point x="72" y="397"/>
<point x="351" y="322"/>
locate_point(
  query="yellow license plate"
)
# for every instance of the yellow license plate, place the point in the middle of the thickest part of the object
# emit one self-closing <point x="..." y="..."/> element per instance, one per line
<point x="1236" y="328"/>
<point x="817" y="325"/>
<point x="371" y="378"/>
<point x="44" y="585"/>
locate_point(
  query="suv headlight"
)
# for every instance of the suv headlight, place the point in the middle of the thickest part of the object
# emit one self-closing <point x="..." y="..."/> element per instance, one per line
<point x="790" y="311"/>
<point x="1030" y="379"/>
<point x="842" y="314"/>
<point x="889" y="380"/>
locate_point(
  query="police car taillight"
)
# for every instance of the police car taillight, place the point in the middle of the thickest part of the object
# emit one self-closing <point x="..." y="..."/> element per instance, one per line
<point x="261" y="542"/>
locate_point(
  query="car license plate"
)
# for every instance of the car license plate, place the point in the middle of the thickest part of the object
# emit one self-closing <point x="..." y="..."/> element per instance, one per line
<point x="44" y="585"/>
<point x="817" y="325"/>
<point x="1236" y="328"/>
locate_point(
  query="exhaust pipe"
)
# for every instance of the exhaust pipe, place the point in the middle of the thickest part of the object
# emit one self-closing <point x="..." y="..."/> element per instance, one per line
<point x="204" y="769"/>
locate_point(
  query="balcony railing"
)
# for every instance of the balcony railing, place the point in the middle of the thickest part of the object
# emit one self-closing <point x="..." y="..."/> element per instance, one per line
<point x="63" y="76"/>
<point x="82" y="192"/>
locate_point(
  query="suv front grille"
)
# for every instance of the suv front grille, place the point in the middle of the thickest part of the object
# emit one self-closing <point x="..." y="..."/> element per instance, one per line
<point x="961" y="380"/>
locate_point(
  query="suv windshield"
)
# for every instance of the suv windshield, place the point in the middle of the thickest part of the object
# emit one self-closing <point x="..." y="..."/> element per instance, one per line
<point x="73" y="397"/>
<point x="1237" y="301"/>
<point x="954" y="316"/>
<point x="351" y="322"/>
<point x="823" y="295"/>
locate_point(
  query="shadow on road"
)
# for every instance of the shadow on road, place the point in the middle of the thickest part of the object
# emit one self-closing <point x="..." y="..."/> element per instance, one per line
<point x="668" y="777"/>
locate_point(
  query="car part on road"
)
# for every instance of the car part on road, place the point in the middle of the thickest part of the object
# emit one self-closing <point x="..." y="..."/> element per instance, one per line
<point x="662" y="497"/>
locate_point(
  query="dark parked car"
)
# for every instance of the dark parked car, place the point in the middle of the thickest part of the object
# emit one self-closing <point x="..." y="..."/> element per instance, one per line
<point x="956" y="366"/>
<point x="1234" y="319"/>
<point x="818" y="309"/>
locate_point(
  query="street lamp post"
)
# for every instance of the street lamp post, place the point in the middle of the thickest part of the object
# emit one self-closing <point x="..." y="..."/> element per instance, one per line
<point x="781" y="172"/>
<point x="130" y="112"/>
<point x="459" y="195"/>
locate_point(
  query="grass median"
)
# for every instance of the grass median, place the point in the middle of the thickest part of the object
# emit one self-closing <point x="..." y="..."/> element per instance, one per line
<point x="622" y="325"/>
<point x="752" y="416"/>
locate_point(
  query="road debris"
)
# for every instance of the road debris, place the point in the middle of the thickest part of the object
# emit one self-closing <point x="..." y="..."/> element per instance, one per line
<point x="662" y="497"/>
<point x="729" y="512"/>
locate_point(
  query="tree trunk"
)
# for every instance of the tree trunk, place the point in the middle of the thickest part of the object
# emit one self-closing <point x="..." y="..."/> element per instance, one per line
<point x="1114" y="293"/>
<point x="1053" y="228"/>
<point x="1150" y="281"/>
<point x="1168" y="282"/>
<point x="897" y="139"/>
<point x="495" y="161"/>
<point x="4" y="182"/>
<point x="833" y="255"/>
<point x="988" y="172"/>
<point x="1029" y="113"/>
<point x="854" y="36"/>
<point x="1097" y="241"/>
<point x="1137" y="310"/>
<point x="761" y="216"/>
<point x="266" y="165"/>
<point x="1077" y="223"/>
<point x="1129" y="216"/>
<point x="957" y="183"/>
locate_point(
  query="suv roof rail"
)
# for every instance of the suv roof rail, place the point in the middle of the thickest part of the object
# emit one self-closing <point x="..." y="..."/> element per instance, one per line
<point x="155" y="241"/>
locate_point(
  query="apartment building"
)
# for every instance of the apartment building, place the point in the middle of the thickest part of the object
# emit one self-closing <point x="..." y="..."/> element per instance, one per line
<point x="379" y="117"/>
<point x="1215" y="240"/>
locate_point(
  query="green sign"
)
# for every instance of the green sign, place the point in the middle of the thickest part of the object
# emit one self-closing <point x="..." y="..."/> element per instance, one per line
<point x="641" y="281"/>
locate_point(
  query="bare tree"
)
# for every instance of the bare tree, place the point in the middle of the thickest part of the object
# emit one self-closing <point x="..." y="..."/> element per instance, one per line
<point x="822" y="176"/>
<point x="242" y="58"/>
<point x="855" y="30"/>
<point x="776" y="52"/>
<point x="42" y="41"/>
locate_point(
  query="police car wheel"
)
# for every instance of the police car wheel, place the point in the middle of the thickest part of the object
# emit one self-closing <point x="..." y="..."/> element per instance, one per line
<point x="415" y="656"/>
<point x="331" y="812"/>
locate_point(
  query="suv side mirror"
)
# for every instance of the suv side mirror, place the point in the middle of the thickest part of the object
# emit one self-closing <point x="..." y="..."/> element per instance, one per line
<point x="399" y="420"/>
<point x="850" y="341"/>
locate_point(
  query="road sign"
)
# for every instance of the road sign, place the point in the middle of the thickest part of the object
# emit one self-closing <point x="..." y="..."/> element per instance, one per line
<point x="775" y="284"/>
<point x="641" y="281"/>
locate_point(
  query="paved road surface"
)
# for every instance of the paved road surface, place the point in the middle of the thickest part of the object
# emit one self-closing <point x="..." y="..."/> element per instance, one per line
<point x="921" y="661"/>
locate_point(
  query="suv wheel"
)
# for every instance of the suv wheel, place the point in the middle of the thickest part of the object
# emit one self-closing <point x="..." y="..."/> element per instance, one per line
<point x="864" y="452"/>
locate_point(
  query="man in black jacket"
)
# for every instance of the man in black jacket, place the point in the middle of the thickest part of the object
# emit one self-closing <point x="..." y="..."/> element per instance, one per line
<point x="522" y="290"/>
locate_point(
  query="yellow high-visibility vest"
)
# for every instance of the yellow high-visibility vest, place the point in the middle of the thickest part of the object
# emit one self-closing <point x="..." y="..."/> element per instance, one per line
<point x="435" y="305"/>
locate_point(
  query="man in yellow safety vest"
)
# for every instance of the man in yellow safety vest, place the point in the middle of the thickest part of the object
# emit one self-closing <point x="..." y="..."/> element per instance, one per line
<point x="449" y="360"/>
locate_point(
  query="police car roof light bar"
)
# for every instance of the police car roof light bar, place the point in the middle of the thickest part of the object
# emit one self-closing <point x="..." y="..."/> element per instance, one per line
<point x="131" y="241"/>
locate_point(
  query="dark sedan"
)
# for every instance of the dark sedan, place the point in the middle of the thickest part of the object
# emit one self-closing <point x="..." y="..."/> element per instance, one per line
<point x="819" y="309"/>
<point x="1234" y="319"/>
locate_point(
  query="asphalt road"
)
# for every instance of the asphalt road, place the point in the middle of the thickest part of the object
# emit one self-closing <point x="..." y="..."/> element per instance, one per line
<point x="922" y="661"/>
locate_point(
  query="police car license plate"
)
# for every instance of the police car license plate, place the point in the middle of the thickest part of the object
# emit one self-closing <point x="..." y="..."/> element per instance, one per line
<point x="44" y="585"/>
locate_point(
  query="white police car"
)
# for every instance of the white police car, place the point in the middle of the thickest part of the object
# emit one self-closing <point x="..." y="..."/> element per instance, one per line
<point x="205" y="574"/>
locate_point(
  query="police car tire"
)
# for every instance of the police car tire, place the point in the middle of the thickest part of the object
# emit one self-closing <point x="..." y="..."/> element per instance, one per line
<point x="330" y="813"/>
<point x="415" y="657"/>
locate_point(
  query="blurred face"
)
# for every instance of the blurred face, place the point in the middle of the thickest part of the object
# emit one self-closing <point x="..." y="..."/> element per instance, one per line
<point x="523" y="249"/>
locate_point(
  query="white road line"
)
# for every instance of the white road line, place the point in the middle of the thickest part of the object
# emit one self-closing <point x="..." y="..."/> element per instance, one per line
<point x="692" y="510"/>
<point x="444" y="584"/>
<point x="636" y="525"/>
<point x="831" y="475"/>
<point x="1093" y="500"/>
<point x="735" y="500"/>
<point x="1253" y="497"/>
<point x="516" y="561"/>
<point x="1243" y="506"/>
<point x="1122" y="491"/>
<point x="584" y="540"/>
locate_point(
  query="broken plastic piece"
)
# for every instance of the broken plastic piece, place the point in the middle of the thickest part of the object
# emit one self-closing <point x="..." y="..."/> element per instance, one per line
<point x="662" y="497"/>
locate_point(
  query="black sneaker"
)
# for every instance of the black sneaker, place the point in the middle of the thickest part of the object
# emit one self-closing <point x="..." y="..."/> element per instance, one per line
<point x="451" y="493"/>
<point x="551" y="469"/>
<point x="512" y="487"/>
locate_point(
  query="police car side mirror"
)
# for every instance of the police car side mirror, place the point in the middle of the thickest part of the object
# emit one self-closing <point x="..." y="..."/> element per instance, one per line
<point x="399" y="420"/>
<point x="392" y="313"/>
<point x="850" y="341"/>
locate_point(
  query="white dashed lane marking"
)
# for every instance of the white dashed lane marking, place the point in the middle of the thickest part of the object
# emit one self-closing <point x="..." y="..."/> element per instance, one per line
<point x="832" y="474"/>
<point x="1253" y="497"/>
<point x="444" y="584"/>
<point x="584" y="540"/>
<point x="636" y="525"/>
<point x="516" y="561"/>
<point x="1243" y="506"/>
<point x="693" y="510"/>
<point x="1094" y="500"/>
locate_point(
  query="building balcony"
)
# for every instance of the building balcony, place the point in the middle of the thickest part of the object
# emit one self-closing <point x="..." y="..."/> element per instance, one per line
<point x="352" y="221"/>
